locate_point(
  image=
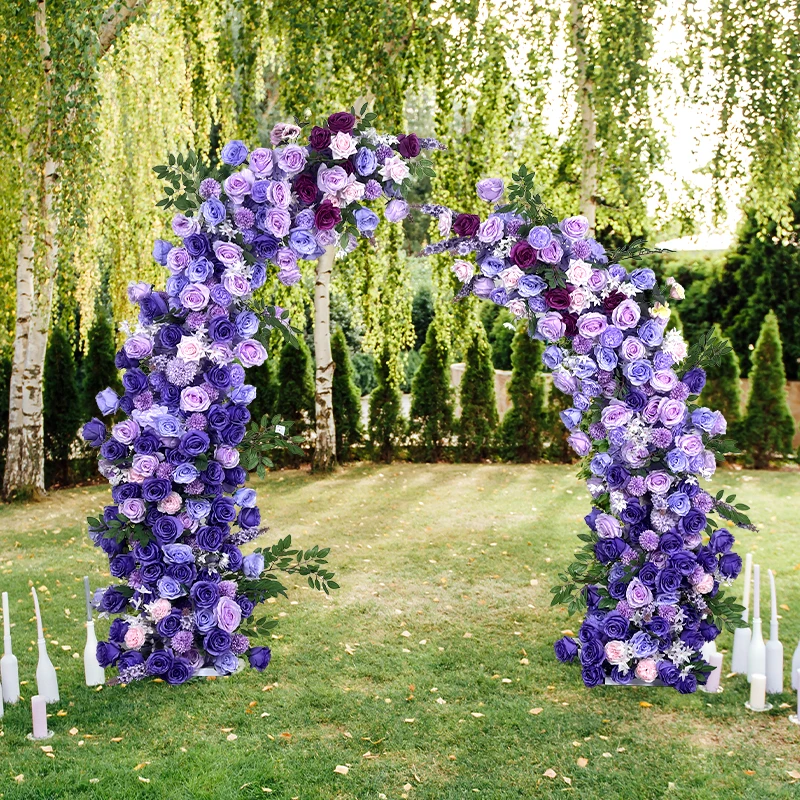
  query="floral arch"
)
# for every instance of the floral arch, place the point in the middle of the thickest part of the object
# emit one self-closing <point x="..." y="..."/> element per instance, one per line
<point x="654" y="561"/>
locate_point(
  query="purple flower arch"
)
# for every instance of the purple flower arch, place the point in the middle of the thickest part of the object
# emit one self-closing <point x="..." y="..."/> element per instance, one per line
<point x="654" y="561"/>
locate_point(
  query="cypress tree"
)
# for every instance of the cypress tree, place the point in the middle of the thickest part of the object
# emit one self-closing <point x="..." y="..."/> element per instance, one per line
<point x="478" y="423"/>
<point x="99" y="370"/>
<point x="723" y="391"/>
<point x="295" y="399"/>
<point x="768" y="426"/>
<point x="524" y="423"/>
<point x="385" y="420"/>
<point x="346" y="399"/>
<point x="62" y="407"/>
<point x="422" y="312"/>
<point x="264" y="379"/>
<point x="502" y="339"/>
<point x="558" y="449"/>
<point x="432" y="396"/>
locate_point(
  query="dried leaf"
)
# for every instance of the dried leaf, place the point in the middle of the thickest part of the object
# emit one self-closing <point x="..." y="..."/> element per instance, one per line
<point x="143" y="779"/>
<point x="566" y="780"/>
<point x="73" y="731"/>
<point x="61" y="713"/>
<point x="231" y="737"/>
<point x="114" y="739"/>
<point x="141" y="766"/>
<point x="46" y="748"/>
<point x="340" y="769"/>
<point x="549" y="773"/>
<point x="749" y="772"/>
<point x="582" y="762"/>
<point x="794" y="774"/>
<point x="536" y="711"/>
<point x="477" y="714"/>
<point x="645" y="704"/>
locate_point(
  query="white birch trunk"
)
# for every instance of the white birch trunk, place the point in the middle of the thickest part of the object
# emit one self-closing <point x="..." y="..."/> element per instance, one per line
<point x="325" y="449"/>
<point x="585" y="86"/>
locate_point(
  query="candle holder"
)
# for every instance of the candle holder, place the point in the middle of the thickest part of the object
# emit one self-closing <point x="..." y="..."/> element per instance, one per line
<point x="766" y="707"/>
<point x="30" y="737"/>
<point x="718" y="690"/>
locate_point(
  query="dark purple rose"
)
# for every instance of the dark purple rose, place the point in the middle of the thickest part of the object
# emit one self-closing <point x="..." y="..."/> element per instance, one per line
<point x="235" y="557"/>
<point x="592" y="652"/>
<point x="239" y="414"/>
<point x="523" y="255"/>
<point x="193" y="443"/>
<point x="159" y="662"/>
<point x="219" y="376"/>
<point x="118" y="630"/>
<point x="319" y="138"/>
<point x="408" y="145"/>
<point x="126" y="491"/>
<point x="146" y="553"/>
<point x="170" y="625"/>
<point x="327" y="216"/>
<point x="658" y="626"/>
<point x="706" y="559"/>
<point x="721" y="542"/>
<point x="566" y="649"/>
<point x="249" y="518"/>
<point x="730" y="565"/>
<point x="94" y="432"/>
<point x="687" y="684"/>
<point x="210" y="538"/>
<point x="217" y="417"/>
<point x="305" y="187"/>
<point x="616" y="476"/>
<point x="668" y="580"/>
<point x="246" y="604"/>
<point x="633" y="513"/>
<point x="668" y="672"/>
<point x="146" y="444"/>
<point x="671" y="542"/>
<point x="179" y="672"/>
<point x="615" y="626"/>
<point x="694" y="522"/>
<point x="213" y="474"/>
<point x="205" y="594"/>
<point x="684" y="562"/>
<point x="695" y="379"/>
<point x="341" y="122"/>
<point x="232" y="434"/>
<point x="221" y="329"/>
<point x="259" y="658"/>
<point x="593" y="675"/>
<point x="151" y="572"/>
<point x="466" y="224"/>
<point x="196" y="245"/>
<point x="636" y="400"/>
<point x="130" y="658"/>
<point x="113" y="600"/>
<point x="618" y="676"/>
<point x="217" y="642"/>
<point x="617" y="589"/>
<point x="183" y="573"/>
<point x="608" y="550"/>
<point x="107" y="654"/>
<point x="223" y="510"/>
<point x="122" y="565"/>
<point x="170" y="335"/>
<point x="112" y="450"/>
<point x="612" y="301"/>
<point x="557" y="299"/>
<point x="156" y="489"/>
<point x="708" y="631"/>
<point x="134" y="381"/>
<point x="166" y="530"/>
<point x="648" y="574"/>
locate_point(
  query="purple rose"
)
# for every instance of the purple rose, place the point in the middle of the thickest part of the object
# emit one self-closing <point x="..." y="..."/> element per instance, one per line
<point x="466" y="224"/>
<point x="159" y="662"/>
<point x="643" y="278"/>
<point x="539" y="237"/>
<point x="552" y="252"/>
<point x="261" y="162"/>
<point x="580" y="443"/>
<point x="574" y="227"/>
<point x="234" y="153"/>
<point x="730" y="565"/>
<point x="408" y="145"/>
<point x="228" y="614"/>
<point x="566" y="649"/>
<point x="319" y="138"/>
<point x="107" y="401"/>
<point x="179" y="672"/>
<point x="205" y="594"/>
<point x="491" y="230"/>
<point x="490" y="190"/>
<point x="551" y="327"/>
<point x="626" y="314"/>
<point x="259" y="658"/>
<point x="341" y="122"/>
<point x="330" y="179"/>
<point x="107" y="654"/>
<point x="695" y="380"/>
<point x="365" y="161"/>
<point x="721" y="541"/>
<point x="638" y="595"/>
<point x="396" y="210"/>
<point x="94" y="432"/>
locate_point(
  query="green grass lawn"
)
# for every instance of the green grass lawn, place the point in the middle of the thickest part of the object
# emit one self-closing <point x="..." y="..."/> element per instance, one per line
<point x="430" y="674"/>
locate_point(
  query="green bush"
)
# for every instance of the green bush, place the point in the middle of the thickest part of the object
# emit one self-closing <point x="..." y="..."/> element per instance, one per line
<point x="295" y="400"/>
<point x="558" y="449"/>
<point x="768" y="426"/>
<point x="422" y="313"/>
<point x="385" y="418"/>
<point x="264" y="379"/>
<point x="62" y="402"/>
<point x="346" y="399"/>
<point x="723" y="389"/>
<point x="411" y="359"/>
<point x="364" y="372"/>
<point x="524" y="423"/>
<point x="502" y="339"/>
<point x="432" y="397"/>
<point x="99" y="370"/>
<point x="477" y="426"/>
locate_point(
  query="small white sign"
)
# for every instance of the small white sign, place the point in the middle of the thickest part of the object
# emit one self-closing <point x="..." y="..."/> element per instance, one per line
<point x="280" y="429"/>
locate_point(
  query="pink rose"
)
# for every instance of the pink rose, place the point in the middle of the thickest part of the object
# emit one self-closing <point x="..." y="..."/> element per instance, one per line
<point x="518" y="307"/>
<point x="353" y="192"/>
<point x="284" y="130"/>
<point x="171" y="504"/>
<point x="511" y="276"/>
<point x="159" y="609"/>
<point x="394" y="169"/>
<point x="190" y="349"/>
<point x="616" y="652"/>
<point x="463" y="270"/>
<point x="579" y="272"/>
<point x="646" y="670"/>
<point x="342" y="145"/>
<point x="134" y="637"/>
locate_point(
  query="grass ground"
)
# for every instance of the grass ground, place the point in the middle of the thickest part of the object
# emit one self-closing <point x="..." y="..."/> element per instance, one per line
<point x="421" y="674"/>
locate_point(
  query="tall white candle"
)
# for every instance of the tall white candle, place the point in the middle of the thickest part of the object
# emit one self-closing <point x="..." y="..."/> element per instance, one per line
<point x="748" y="573"/>
<point x="758" y="692"/>
<point x="39" y="713"/>
<point x="712" y="684"/>
<point x="774" y="648"/>
<point x="9" y="669"/>
<point x="756" y="591"/>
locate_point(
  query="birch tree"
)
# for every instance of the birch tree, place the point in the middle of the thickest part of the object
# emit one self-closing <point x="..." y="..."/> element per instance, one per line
<point x="52" y="57"/>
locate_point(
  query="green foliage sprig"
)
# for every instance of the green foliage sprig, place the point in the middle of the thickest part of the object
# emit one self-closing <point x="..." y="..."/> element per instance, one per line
<point x="635" y="250"/>
<point x="525" y="201"/>
<point x="708" y="350"/>
<point x="182" y="175"/>
<point x="262" y="439"/>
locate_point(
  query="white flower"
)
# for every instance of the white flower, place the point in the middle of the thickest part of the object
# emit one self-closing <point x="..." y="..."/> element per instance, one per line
<point x="463" y="270"/>
<point x="343" y="145"/>
<point x="580" y="299"/>
<point x="445" y="223"/>
<point x="353" y="192"/>
<point x="628" y="289"/>
<point x="579" y="272"/>
<point x="191" y="349"/>
<point x="675" y="345"/>
<point x="518" y="308"/>
<point x="394" y="169"/>
<point x="511" y="277"/>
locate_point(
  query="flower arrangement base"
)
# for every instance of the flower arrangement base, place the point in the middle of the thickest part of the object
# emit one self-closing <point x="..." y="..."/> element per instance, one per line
<point x="33" y="738"/>
<point x="765" y="707"/>
<point x="211" y="672"/>
<point x="635" y="682"/>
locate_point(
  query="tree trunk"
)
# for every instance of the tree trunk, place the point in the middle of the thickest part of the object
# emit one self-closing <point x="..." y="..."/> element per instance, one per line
<point x="585" y="87"/>
<point x="325" y="449"/>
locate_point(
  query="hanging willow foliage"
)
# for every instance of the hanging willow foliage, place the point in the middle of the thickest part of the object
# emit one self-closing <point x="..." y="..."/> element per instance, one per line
<point x="743" y="65"/>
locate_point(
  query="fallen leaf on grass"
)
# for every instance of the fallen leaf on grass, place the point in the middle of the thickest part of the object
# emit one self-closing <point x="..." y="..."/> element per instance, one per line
<point x="441" y="701"/>
<point x="794" y="774"/>
<point x="340" y="769"/>
<point x="566" y="780"/>
<point x="286" y="735"/>
<point x="143" y="779"/>
<point x="749" y="772"/>
<point x="61" y="713"/>
<point x="606" y="755"/>
<point x="582" y="762"/>
<point x="536" y="711"/>
<point x="73" y="731"/>
<point x="477" y="714"/>
<point x="94" y="780"/>
<point x="46" y="748"/>
<point x="410" y="720"/>
<point x="549" y="773"/>
<point x="645" y="704"/>
<point x="141" y="766"/>
<point x="114" y="739"/>
<point x="231" y="737"/>
<point x="226" y="730"/>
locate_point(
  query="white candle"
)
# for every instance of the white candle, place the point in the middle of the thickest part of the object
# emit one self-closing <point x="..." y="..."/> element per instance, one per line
<point x="748" y="570"/>
<point x="758" y="691"/>
<point x="39" y="712"/>
<point x="797" y="678"/>
<point x="756" y="591"/>
<point x="712" y="684"/>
